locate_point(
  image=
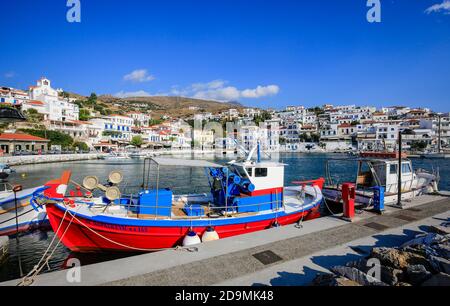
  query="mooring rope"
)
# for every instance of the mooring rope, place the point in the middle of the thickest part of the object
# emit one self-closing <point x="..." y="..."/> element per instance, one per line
<point x="29" y="278"/>
<point x="177" y="248"/>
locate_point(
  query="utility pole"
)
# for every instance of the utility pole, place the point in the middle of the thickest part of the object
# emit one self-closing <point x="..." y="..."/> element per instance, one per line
<point x="399" y="170"/>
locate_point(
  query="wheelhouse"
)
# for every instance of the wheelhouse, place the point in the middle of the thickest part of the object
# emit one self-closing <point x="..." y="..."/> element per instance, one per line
<point x="379" y="172"/>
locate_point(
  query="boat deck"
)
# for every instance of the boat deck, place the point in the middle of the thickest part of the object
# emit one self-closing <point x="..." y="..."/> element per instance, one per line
<point x="294" y="199"/>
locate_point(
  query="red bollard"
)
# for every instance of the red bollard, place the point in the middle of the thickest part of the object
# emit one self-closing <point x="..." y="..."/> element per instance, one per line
<point x="348" y="197"/>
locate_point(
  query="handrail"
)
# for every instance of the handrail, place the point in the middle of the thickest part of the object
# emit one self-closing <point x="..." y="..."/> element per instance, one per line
<point x="211" y="208"/>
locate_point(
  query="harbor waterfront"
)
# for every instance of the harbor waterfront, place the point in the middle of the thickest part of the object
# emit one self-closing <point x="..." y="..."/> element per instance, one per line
<point x="300" y="167"/>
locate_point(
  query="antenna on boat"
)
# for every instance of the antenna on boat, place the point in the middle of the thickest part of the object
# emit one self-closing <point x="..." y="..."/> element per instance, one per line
<point x="258" y="151"/>
<point x="111" y="192"/>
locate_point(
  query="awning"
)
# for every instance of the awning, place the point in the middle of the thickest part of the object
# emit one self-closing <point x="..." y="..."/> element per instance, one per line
<point x="185" y="163"/>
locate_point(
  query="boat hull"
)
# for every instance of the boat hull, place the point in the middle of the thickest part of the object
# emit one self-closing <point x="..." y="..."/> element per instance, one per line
<point x="333" y="195"/>
<point x="86" y="235"/>
<point x="28" y="218"/>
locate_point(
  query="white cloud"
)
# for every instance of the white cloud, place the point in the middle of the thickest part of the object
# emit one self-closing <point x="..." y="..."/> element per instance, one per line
<point x="216" y="90"/>
<point x="260" y="91"/>
<point x="139" y="75"/>
<point x="128" y="94"/>
<point x="219" y="94"/>
<point x="441" y="7"/>
<point x="210" y="85"/>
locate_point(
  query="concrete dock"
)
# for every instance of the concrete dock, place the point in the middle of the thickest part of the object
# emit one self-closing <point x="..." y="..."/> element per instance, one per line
<point x="42" y="159"/>
<point x="289" y="255"/>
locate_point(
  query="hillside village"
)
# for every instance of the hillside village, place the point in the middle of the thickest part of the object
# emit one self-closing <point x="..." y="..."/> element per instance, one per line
<point x="58" y="120"/>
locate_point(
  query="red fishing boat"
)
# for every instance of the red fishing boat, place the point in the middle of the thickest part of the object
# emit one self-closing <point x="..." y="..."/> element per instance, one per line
<point x="244" y="197"/>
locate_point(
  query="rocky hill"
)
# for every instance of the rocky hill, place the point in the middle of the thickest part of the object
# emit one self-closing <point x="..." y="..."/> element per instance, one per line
<point x="165" y="105"/>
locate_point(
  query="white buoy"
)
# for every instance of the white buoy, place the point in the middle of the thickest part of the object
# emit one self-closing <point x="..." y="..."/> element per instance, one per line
<point x="191" y="238"/>
<point x="210" y="234"/>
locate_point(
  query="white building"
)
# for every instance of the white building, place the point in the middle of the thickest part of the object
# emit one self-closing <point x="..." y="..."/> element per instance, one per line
<point x="140" y="119"/>
<point x="13" y="96"/>
<point x="378" y="137"/>
<point x="56" y="108"/>
<point x="251" y="112"/>
<point x="225" y="143"/>
<point x="433" y="125"/>
<point x="113" y="127"/>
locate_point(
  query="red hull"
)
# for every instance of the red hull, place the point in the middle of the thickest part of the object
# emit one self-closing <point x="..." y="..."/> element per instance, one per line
<point x="79" y="238"/>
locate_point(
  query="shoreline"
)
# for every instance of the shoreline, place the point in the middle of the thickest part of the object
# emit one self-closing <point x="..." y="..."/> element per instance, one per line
<point x="43" y="159"/>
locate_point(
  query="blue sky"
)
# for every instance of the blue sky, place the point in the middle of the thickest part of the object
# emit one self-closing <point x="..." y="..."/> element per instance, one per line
<point x="260" y="52"/>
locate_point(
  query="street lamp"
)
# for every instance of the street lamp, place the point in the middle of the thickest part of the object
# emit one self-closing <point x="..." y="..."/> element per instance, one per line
<point x="399" y="171"/>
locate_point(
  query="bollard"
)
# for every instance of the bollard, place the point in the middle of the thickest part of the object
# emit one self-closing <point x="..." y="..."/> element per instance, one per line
<point x="348" y="198"/>
<point x="378" y="199"/>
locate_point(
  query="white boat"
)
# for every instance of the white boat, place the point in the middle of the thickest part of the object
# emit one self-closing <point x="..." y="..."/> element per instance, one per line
<point x="5" y="171"/>
<point x="137" y="154"/>
<point x="117" y="156"/>
<point x="435" y="155"/>
<point x="28" y="215"/>
<point x="383" y="172"/>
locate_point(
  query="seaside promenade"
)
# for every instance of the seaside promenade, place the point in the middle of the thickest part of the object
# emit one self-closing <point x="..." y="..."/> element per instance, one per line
<point x="56" y="158"/>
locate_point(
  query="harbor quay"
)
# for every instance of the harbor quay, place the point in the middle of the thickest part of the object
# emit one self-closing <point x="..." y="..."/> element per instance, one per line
<point x="56" y="158"/>
<point x="41" y="159"/>
<point x="288" y="255"/>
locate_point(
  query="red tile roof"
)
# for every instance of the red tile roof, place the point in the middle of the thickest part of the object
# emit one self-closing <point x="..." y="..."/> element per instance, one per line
<point x="21" y="137"/>
<point x="343" y="125"/>
<point x="80" y="122"/>
<point x="34" y="102"/>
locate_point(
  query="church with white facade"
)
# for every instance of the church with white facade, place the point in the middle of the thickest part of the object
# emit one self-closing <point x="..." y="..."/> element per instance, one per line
<point x="47" y="101"/>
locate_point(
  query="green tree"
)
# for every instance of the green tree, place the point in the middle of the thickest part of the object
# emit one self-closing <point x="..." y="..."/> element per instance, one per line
<point x="85" y="114"/>
<point x="80" y="103"/>
<point x="81" y="146"/>
<point x="419" y="145"/>
<point x="137" y="141"/>
<point x="92" y="100"/>
<point x="265" y="115"/>
<point x="33" y="116"/>
<point x="55" y="137"/>
<point x="315" y="137"/>
<point x="64" y="94"/>
<point x="152" y="122"/>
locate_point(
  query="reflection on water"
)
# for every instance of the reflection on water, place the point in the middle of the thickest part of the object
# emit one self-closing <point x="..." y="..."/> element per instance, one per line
<point x="32" y="246"/>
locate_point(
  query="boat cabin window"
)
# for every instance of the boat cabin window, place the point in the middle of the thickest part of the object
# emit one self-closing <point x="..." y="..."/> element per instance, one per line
<point x="260" y="172"/>
<point x="250" y="171"/>
<point x="240" y="171"/>
<point x="406" y="168"/>
<point x="393" y="169"/>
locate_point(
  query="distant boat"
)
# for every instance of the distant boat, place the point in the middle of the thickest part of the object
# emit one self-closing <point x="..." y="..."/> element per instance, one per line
<point x="29" y="216"/>
<point x="435" y="155"/>
<point x="137" y="154"/>
<point x="112" y="156"/>
<point x="5" y="171"/>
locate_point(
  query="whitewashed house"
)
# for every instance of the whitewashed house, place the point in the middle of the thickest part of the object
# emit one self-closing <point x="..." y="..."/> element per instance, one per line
<point x="56" y="108"/>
